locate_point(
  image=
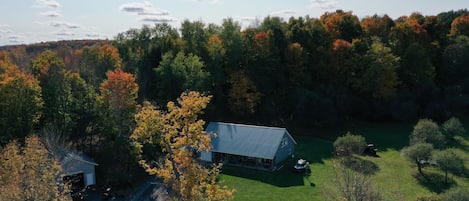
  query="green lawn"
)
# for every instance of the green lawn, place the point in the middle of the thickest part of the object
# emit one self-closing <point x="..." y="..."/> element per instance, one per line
<point x="395" y="178"/>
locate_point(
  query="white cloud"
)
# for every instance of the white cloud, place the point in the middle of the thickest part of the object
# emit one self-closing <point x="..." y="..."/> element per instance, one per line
<point x="158" y="19"/>
<point x="50" y="14"/>
<point x="146" y="12"/>
<point x="162" y="12"/>
<point x="324" y="4"/>
<point x="61" y="24"/>
<point x="283" y="12"/>
<point x="16" y="39"/>
<point x="136" y="7"/>
<point x="5" y="28"/>
<point x="64" y="33"/>
<point x="211" y="1"/>
<point x="46" y="4"/>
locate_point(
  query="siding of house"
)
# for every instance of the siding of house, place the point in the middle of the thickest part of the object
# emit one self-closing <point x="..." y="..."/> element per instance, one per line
<point x="285" y="151"/>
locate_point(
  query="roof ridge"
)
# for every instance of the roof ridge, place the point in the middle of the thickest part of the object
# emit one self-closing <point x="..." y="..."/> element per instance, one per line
<point x="248" y="125"/>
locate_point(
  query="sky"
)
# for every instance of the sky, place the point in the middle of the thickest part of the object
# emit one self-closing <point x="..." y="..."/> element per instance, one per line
<point x="34" y="21"/>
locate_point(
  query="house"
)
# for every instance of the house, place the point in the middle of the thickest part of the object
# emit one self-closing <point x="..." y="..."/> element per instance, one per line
<point x="78" y="168"/>
<point x="257" y="147"/>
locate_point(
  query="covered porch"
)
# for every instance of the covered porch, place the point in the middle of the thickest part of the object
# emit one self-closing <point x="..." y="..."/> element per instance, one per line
<point x="244" y="161"/>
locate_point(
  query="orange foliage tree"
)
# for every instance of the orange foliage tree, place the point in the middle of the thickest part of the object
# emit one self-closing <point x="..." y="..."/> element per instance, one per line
<point x="20" y="101"/>
<point x="180" y="133"/>
<point x="460" y="26"/>
<point x="119" y="98"/>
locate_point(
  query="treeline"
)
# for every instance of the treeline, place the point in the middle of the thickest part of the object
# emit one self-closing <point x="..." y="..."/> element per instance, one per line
<point x="322" y="70"/>
<point x="317" y="71"/>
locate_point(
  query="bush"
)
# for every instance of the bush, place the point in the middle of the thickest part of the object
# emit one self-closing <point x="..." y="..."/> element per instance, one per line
<point x="349" y="144"/>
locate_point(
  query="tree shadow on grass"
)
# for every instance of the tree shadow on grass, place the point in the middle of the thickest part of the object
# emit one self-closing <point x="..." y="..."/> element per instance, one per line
<point x="434" y="182"/>
<point x="284" y="177"/>
<point x="360" y="165"/>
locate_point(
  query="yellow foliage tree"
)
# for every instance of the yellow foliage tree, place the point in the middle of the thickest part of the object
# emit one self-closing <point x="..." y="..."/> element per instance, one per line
<point x="180" y="133"/>
<point x="30" y="173"/>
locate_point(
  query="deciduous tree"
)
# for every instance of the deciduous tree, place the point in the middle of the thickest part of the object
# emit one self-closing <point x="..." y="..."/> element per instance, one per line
<point x="30" y="173"/>
<point x="419" y="154"/>
<point x="20" y="101"/>
<point x="452" y="127"/>
<point x="448" y="161"/>
<point x="181" y="72"/>
<point x="243" y="96"/>
<point x="349" y="185"/>
<point x="427" y="131"/>
<point x="49" y="69"/>
<point x="377" y="74"/>
<point x="181" y="135"/>
<point x="460" y="26"/>
<point x="118" y="98"/>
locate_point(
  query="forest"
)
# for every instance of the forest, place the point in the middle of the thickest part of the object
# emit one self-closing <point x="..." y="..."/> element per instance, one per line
<point x="319" y="72"/>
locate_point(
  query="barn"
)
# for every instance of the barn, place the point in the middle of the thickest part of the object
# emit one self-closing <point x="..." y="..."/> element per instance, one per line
<point x="258" y="147"/>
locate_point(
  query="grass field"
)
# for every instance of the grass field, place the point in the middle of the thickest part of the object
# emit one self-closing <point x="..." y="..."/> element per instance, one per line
<point x="394" y="177"/>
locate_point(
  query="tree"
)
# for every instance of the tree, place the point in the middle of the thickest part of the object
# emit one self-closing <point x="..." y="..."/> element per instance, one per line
<point x="377" y="74"/>
<point x="95" y="61"/>
<point x="427" y="131"/>
<point x="181" y="135"/>
<point x="341" y="25"/>
<point x="232" y="42"/>
<point x="296" y="65"/>
<point x="419" y="153"/>
<point x="243" y="97"/>
<point x="49" y="69"/>
<point x="455" y="58"/>
<point x="118" y="98"/>
<point x="351" y="186"/>
<point x="149" y="124"/>
<point x="416" y="65"/>
<point x="448" y="161"/>
<point x="141" y="51"/>
<point x="195" y="36"/>
<point x="181" y="72"/>
<point x="349" y="144"/>
<point x="20" y="101"/>
<point x="30" y="173"/>
<point x="460" y="26"/>
<point x="379" y="26"/>
<point x="216" y="52"/>
<point x="452" y="127"/>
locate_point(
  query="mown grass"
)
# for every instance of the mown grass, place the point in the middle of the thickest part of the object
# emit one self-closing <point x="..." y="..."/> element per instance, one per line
<point x="394" y="176"/>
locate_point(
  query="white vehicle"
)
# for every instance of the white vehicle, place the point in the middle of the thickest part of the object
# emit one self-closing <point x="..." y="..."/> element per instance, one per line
<point x="301" y="166"/>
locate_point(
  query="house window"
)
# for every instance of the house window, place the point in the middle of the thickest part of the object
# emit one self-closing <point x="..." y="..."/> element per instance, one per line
<point x="284" y="142"/>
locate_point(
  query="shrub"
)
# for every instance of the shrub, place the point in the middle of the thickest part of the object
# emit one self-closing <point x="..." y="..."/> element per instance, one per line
<point x="349" y="144"/>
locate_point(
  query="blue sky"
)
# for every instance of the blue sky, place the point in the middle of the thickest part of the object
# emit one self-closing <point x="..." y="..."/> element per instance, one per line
<point x="32" y="21"/>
